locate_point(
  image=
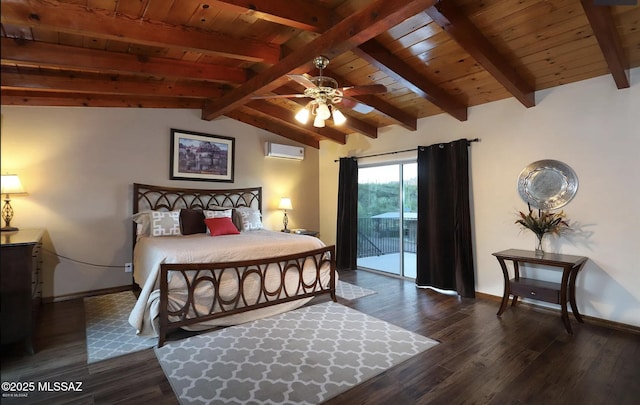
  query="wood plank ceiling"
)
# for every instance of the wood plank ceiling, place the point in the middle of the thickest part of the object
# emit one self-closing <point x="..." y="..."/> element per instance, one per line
<point x="434" y="57"/>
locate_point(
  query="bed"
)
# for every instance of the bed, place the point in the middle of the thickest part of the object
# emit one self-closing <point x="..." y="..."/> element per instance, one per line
<point x="198" y="278"/>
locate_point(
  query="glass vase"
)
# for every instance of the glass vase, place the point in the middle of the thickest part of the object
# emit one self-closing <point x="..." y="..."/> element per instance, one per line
<point x="539" y="252"/>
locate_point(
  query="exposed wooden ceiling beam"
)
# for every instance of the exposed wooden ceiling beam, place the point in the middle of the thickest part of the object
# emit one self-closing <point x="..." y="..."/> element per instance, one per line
<point x="402" y="117"/>
<point x="103" y="85"/>
<point x="52" y="99"/>
<point x="378" y="56"/>
<point x="604" y="29"/>
<point x="250" y="118"/>
<point x="74" y="58"/>
<point x="284" y="116"/>
<point x="355" y="29"/>
<point x="462" y="30"/>
<point x="298" y="14"/>
<point x="76" y="19"/>
<point x="359" y="126"/>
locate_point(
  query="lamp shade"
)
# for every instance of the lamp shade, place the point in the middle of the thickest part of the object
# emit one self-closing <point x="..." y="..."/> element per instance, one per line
<point x="338" y="117"/>
<point x="285" y="204"/>
<point x="303" y="115"/>
<point x="323" y="111"/>
<point x="318" y="122"/>
<point x="11" y="184"/>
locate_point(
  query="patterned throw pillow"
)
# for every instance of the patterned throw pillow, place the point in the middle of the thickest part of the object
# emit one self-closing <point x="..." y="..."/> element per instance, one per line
<point x="165" y="223"/>
<point x="250" y="219"/>
<point x="217" y="213"/>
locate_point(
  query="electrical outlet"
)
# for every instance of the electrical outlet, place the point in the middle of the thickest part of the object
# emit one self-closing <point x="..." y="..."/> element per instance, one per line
<point x="128" y="267"/>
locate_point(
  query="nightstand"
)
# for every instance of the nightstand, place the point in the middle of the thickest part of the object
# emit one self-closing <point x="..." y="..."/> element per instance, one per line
<point x="20" y="284"/>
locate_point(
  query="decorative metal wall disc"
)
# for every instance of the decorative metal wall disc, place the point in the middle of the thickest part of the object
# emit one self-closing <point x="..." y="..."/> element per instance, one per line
<point x="547" y="184"/>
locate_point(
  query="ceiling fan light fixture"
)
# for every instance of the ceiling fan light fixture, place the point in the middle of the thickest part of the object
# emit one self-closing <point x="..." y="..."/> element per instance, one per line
<point x="325" y="95"/>
<point x="303" y="115"/>
<point x="338" y="117"/>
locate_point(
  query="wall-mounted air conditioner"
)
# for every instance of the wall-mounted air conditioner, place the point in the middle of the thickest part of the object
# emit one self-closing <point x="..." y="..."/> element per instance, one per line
<point x="283" y="151"/>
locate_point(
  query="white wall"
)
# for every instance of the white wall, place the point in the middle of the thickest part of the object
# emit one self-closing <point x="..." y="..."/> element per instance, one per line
<point x="591" y="126"/>
<point x="78" y="166"/>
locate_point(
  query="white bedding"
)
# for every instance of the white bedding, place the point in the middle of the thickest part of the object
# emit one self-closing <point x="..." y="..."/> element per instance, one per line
<point x="150" y="252"/>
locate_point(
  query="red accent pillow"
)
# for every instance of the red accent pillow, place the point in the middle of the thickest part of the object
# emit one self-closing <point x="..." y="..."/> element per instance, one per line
<point x="221" y="226"/>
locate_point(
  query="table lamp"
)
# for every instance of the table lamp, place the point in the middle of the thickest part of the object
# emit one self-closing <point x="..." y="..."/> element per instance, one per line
<point x="285" y="204"/>
<point x="10" y="186"/>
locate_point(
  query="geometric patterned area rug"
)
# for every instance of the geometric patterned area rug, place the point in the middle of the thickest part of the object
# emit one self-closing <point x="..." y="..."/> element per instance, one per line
<point x="108" y="331"/>
<point x="351" y="292"/>
<point x="305" y="356"/>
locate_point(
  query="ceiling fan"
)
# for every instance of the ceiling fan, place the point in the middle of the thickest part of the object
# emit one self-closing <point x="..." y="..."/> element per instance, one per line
<point x="326" y="95"/>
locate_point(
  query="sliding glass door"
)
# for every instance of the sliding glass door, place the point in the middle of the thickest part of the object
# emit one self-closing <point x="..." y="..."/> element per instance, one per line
<point x="387" y="216"/>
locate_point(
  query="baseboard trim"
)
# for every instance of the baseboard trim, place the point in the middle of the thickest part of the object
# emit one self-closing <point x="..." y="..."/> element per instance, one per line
<point x="84" y="294"/>
<point x="591" y="319"/>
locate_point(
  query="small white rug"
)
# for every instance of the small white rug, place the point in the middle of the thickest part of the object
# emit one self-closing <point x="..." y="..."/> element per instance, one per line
<point x="108" y="331"/>
<point x="305" y="356"/>
<point x="350" y="291"/>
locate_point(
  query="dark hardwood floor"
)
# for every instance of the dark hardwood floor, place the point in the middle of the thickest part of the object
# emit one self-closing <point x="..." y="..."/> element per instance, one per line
<point x="524" y="358"/>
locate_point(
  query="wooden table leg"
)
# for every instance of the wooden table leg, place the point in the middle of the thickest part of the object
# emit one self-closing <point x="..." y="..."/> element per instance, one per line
<point x="572" y="292"/>
<point x="505" y="295"/>
<point x="516" y="276"/>
<point x="563" y="299"/>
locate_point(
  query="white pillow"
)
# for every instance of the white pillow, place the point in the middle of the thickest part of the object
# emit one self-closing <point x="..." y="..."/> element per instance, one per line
<point x="250" y="219"/>
<point x="217" y="213"/>
<point x="143" y="219"/>
<point x="165" y="223"/>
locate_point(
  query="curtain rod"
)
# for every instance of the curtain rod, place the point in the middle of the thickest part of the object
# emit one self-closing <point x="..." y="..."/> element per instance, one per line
<point x="397" y="151"/>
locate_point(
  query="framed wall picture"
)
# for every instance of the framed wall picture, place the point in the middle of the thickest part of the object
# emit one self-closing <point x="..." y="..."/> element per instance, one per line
<point x="197" y="156"/>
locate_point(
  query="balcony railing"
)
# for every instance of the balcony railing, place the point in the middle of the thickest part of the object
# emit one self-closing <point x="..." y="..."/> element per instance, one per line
<point x="381" y="236"/>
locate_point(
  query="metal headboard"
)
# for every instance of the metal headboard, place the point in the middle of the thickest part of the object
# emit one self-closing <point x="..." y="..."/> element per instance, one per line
<point x="148" y="197"/>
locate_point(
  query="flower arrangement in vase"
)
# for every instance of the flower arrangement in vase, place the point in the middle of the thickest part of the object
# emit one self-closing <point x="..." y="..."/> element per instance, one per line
<point x="541" y="224"/>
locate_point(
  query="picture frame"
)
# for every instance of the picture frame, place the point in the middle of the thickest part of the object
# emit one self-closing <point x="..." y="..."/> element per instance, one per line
<point x="201" y="157"/>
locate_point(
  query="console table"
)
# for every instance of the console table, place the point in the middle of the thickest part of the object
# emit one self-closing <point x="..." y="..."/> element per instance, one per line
<point x="556" y="293"/>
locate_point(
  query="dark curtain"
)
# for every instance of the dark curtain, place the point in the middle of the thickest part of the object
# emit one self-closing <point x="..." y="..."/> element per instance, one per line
<point x="347" y="229"/>
<point x="444" y="252"/>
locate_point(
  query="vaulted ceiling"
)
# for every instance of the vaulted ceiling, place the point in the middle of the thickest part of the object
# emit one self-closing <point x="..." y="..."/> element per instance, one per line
<point x="434" y="57"/>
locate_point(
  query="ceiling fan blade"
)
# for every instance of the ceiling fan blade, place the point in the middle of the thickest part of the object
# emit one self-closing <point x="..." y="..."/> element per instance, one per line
<point x="361" y="90"/>
<point x="356" y="105"/>
<point x="279" y="96"/>
<point x="303" y="80"/>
